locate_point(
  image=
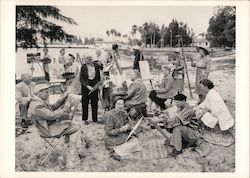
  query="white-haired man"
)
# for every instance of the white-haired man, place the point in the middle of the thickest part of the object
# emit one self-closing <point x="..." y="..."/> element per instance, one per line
<point x="23" y="96"/>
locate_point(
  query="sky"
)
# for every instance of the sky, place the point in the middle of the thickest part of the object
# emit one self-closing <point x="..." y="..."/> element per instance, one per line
<point x="93" y="21"/>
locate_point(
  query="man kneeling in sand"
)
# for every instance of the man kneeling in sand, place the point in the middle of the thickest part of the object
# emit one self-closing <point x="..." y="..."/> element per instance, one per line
<point x="54" y="119"/>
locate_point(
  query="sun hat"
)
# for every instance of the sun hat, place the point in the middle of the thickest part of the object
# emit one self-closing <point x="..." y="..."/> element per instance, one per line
<point x="177" y="50"/>
<point x="40" y="87"/>
<point x="136" y="47"/>
<point x="203" y="49"/>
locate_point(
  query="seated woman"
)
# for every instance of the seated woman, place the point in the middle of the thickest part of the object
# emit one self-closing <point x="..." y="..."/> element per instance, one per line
<point x="215" y="116"/>
<point x="117" y="128"/>
<point x="166" y="90"/>
<point x="116" y="124"/>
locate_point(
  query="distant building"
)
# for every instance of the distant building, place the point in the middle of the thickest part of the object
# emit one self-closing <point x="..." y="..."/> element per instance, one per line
<point x="200" y="40"/>
<point x="202" y="43"/>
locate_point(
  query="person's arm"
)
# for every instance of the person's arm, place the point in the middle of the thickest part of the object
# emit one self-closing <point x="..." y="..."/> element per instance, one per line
<point x="131" y="91"/>
<point x="168" y="86"/>
<point x="47" y="114"/>
<point x="208" y="66"/>
<point x="109" y="127"/>
<point x="60" y="101"/>
<point x="83" y="76"/>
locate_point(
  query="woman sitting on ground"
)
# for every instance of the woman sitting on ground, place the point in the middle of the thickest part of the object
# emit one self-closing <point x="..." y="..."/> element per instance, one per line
<point x="116" y="124"/>
<point x="166" y="90"/>
<point x="215" y="116"/>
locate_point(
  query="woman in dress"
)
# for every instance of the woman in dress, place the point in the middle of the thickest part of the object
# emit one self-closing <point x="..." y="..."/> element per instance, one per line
<point x="203" y="65"/>
<point x="73" y="83"/>
<point x="178" y="73"/>
<point x="116" y="124"/>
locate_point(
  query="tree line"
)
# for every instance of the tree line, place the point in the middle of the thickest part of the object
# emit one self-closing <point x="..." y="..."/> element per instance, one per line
<point x="32" y="24"/>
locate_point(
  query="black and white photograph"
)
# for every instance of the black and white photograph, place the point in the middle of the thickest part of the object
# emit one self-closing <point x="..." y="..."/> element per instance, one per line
<point x="126" y="88"/>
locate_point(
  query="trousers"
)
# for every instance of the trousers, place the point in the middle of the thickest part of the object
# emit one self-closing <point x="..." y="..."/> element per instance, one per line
<point x="157" y="100"/>
<point x="23" y="106"/>
<point x="93" y="97"/>
<point x="183" y="135"/>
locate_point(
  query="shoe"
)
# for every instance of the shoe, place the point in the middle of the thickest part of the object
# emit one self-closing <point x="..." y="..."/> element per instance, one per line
<point x="86" y="122"/>
<point x="24" y="125"/>
<point x="166" y="142"/>
<point x="66" y="139"/>
<point x="115" y="156"/>
<point x="174" y="153"/>
<point x="28" y="122"/>
<point x="99" y="122"/>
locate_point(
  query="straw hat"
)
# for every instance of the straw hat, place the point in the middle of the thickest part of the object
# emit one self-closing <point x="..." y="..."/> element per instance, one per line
<point x="41" y="87"/>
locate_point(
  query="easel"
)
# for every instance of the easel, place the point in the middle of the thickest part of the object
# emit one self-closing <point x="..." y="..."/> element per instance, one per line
<point x="180" y="42"/>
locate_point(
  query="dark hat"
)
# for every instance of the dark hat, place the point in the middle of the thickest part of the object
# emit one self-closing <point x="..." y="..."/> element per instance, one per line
<point x="45" y="60"/>
<point x="203" y="49"/>
<point x="68" y="75"/>
<point x="114" y="46"/>
<point x="180" y="97"/>
<point x="71" y="55"/>
<point x="116" y="98"/>
<point x="106" y="73"/>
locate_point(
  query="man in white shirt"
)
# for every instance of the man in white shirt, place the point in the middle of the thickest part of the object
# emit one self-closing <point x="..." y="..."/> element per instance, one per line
<point x="23" y="97"/>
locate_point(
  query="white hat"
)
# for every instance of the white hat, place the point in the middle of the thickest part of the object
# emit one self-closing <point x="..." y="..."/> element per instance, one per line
<point x="136" y="47"/>
<point x="40" y="87"/>
<point x="177" y="50"/>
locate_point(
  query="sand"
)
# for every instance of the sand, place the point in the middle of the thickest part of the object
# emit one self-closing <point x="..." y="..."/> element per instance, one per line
<point x="96" y="158"/>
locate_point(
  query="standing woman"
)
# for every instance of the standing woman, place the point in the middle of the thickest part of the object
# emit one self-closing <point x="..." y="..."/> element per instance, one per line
<point x="203" y="65"/>
<point x="178" y="73"/>
<point x="89" y="76"/>
<point x="73" y="84"/>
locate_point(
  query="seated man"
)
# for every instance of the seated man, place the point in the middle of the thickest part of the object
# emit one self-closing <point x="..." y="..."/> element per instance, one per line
<point x="49" y="118"/>
<point x="137" y="94"/>
<point x="181" y="125"/>
<point x="23" y="97"/>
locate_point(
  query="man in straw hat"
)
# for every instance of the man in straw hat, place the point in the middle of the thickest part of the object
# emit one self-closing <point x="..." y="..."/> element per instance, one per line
<point x="50" y="118"/>
<point x="23" y="97"/>
<point x="89" y="77"/>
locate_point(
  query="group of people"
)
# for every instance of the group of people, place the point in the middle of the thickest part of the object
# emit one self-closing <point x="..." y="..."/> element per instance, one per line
<point x="127" y="107"/>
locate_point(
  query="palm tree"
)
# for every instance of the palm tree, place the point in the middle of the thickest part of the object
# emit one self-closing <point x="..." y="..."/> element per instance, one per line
<point x="31" y="22"/>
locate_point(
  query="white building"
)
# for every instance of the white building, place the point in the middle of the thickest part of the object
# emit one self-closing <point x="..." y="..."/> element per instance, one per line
<point x="202" y="43"/>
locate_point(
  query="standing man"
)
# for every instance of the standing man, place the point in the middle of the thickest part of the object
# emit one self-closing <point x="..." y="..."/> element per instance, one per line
<point x="23" y="97"/>
<point x="89" y="76"/>
<point x="46" y="60"/>
<point x="138" y="57"/>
